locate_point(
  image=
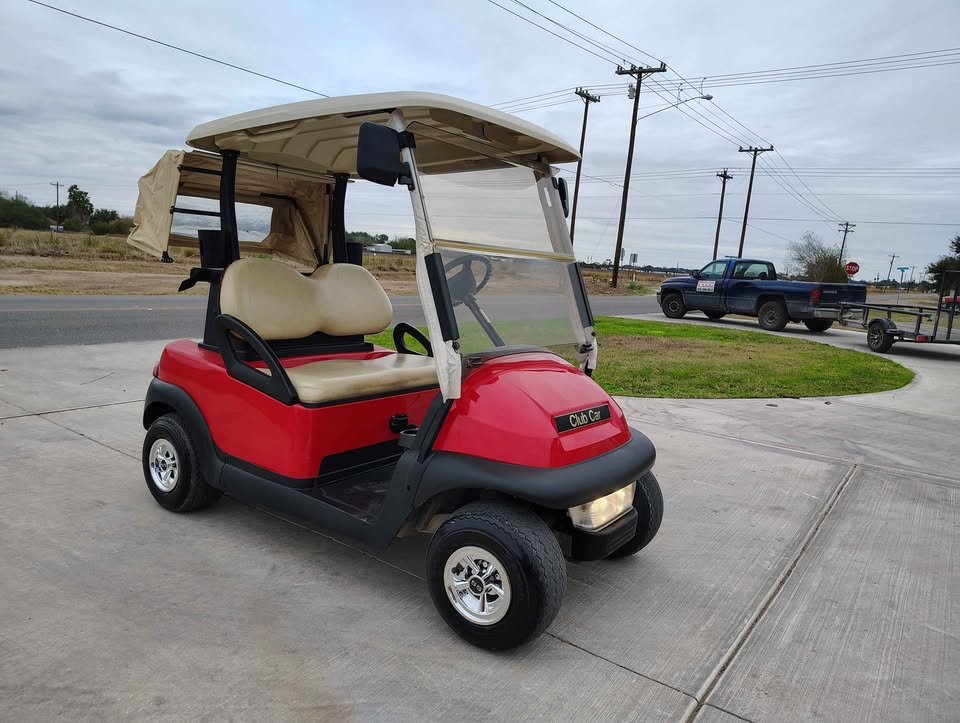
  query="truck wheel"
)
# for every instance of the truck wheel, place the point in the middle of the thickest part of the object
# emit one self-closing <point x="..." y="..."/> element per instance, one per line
<point x="648" y="502"/>
<point x="878" y="339"/>
<point x="170" y="467"/>
<point x="773" y="316"/>
<point x="496" y="574"/>
<point x="818" y="324"/>
<point x="714" y="314"/>
<point x="673" y="307"/>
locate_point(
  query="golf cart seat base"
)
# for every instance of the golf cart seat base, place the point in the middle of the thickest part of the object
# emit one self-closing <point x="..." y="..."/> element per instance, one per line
<point x="340" y="379"/>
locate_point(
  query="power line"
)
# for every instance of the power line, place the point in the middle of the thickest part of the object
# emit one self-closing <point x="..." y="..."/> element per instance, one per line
<point x="597" y="27"/>
<point x="177" y="48"/>
<point x="547" y="30"/>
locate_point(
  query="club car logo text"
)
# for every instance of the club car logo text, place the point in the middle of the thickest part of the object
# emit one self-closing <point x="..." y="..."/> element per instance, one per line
<point x="582" y="418"/>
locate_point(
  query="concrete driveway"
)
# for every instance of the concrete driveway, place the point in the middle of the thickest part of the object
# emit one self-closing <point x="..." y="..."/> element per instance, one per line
<point x="807" y="567"/>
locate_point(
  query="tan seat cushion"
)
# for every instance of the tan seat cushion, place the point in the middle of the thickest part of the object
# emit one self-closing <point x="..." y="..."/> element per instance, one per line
<point x="278" y="302"/>
<point x="326" y="381"/>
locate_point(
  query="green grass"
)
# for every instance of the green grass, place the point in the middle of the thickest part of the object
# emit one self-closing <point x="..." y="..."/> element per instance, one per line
<point x="659" y="359"/>
<point x="681" y="361"/>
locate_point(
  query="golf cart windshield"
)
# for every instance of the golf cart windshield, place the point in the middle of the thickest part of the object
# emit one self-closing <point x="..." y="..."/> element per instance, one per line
<point x="510" y="268"/>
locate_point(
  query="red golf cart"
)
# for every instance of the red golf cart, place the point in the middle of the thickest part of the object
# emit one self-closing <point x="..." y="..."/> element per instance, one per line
<point x="493" y="439"/>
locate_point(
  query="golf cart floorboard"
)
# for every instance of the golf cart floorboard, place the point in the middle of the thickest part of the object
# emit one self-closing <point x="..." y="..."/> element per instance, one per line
<point x="361" y="495"/>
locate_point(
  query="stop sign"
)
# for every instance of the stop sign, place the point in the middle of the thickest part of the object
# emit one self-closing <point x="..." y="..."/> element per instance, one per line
<point x="852" y="268"/>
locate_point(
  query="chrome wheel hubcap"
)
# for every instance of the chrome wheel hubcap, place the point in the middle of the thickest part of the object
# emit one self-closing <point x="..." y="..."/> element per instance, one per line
<point x="164" y="465"/>
<point x="477" y="585"/>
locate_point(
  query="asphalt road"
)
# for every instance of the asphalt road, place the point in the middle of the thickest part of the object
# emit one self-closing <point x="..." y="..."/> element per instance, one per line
<point x="31" y="321"/>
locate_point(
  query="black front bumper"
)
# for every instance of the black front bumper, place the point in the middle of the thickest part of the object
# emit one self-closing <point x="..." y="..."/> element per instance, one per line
<point x="586" y="546"/>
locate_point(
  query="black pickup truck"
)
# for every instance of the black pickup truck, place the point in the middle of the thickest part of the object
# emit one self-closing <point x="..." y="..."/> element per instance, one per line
<point x="750" y="287"/>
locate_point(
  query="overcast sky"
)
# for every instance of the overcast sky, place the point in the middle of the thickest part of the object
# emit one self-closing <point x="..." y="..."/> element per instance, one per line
<point x="87" y="105"/>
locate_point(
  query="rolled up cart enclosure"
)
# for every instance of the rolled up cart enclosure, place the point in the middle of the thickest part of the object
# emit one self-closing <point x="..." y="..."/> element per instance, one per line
<point x="299" y="202"/>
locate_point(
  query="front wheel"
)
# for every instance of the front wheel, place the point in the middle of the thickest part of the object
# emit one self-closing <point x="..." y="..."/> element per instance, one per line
<point x="818" y="325"/>
<point x="648" y="502"/>
<point x="496" y="574"/>
<point x="170" y="467"/>
<point x="673" y="307"/>
<point x="773" y="316"/>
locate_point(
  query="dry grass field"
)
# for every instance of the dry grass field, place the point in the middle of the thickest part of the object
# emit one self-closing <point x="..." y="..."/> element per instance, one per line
<point x="40" y="262"/>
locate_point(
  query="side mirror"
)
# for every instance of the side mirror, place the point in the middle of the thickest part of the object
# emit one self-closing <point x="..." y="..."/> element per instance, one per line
<point x="378" y="154"/>
<point x="695" y="274"/>
<point x="561" y="185"/>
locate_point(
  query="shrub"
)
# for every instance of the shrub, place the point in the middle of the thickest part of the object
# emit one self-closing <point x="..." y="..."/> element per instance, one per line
<point x="72" y="224"/>
<point x="20" y="212"/>
<point x="116" y="227"/>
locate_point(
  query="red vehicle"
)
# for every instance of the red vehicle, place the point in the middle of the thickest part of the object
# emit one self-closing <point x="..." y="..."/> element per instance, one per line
<point x="492" y="441"/>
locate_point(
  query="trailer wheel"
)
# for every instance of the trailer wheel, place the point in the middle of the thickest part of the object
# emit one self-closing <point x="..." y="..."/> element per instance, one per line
<point x="879" y="339"/>
<point x="648" y="502"/>
<point x="496" y="574"/>
<point x="818" y="324"/>
<point x="773" y="316"/>
<point x="170" y="467"/>
<point x="673" y="307"/>
<point x="714" y="314"/>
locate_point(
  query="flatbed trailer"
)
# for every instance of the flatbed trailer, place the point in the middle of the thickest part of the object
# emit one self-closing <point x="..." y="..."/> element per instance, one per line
<point x="922" y="325"/>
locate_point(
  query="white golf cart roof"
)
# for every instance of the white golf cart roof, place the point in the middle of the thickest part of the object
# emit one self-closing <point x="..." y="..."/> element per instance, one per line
<point x="321" y="135"/>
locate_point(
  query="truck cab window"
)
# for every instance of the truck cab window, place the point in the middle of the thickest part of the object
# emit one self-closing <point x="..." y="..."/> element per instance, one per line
<point x="714" y="270"/>
<point x="753" y="270"/>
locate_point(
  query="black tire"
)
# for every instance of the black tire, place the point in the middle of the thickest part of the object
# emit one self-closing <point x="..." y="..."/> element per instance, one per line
<point x="673" y="306"/>
<point x="531" y="556"/>
<point x="714" y="314"/>
<point x="878" y="338"/>
<point x="190" y="491"/>
<point x="648" y="502"/>
<point x="818" y="325"/>
<point x="773" y="316"/>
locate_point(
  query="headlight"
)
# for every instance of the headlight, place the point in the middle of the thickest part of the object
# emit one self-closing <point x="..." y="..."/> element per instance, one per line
<point x="596" y="514"/>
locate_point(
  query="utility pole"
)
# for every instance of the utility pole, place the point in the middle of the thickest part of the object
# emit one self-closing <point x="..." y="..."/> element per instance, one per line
<point x="638" y="73"/>
<point x="57" y="184"/>
<point x="890" y="270"/>
<point x="910" y="282"/>
<point x="746" y="211"/>
<point x="587" y="100"/>
<point x="847" y="228"/>
<point x="724" y="176"/>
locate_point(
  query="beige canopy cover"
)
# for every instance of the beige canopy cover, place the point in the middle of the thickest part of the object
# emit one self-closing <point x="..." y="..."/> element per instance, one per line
<point x="299" y="220"/>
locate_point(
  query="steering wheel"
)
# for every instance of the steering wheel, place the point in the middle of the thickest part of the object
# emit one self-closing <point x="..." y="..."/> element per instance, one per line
<point x="463" y="282"/>
<point x="403" y="329"/>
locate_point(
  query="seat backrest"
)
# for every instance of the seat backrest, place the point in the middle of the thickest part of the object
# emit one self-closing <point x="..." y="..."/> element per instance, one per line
<point x="278" y="302"/>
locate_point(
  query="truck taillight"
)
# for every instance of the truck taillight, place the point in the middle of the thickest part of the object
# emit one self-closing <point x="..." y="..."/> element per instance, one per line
<point x="815" y="296"/>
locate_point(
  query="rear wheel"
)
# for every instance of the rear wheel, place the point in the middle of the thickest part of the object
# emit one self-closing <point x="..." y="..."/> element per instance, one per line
<point x="648" y="502"/>
<point x="496" y="574"/>
<point x="818" y="324"/>
<point x="170" y="467"/>
<point x="714" y="314"/>
<point x="878" y="338"/>
<point x="773" y="316"/>
<point x="673" y="306"/>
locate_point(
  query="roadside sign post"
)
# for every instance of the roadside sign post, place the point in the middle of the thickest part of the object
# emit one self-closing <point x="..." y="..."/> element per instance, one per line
<point x="852" y="268"/>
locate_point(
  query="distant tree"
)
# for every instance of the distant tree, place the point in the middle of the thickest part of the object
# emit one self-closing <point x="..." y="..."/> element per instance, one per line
<point x="360" y="237"/>
<point x="946" y="263"/>
<point x="78" y="204"/>
<point x="812" y="259"/>
<point x="404" y="244"/>
<point x="382" y="238"/>
<point x="18" y="211"/>
<point x="103" y="215"/>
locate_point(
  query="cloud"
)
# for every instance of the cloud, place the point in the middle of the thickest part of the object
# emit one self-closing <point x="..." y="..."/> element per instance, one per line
<point x="80" y="103"/>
